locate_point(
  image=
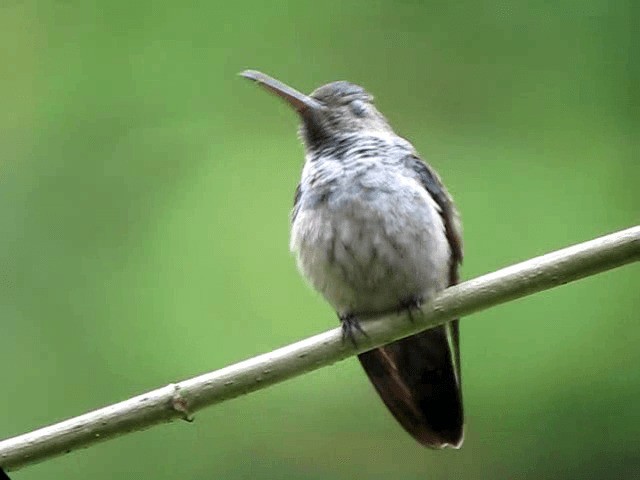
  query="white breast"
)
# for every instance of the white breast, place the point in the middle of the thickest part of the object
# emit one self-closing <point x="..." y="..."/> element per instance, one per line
<point x="375" y="242"/>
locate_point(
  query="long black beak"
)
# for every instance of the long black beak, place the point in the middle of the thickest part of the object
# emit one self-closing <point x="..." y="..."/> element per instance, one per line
<point x="300" y="102"/>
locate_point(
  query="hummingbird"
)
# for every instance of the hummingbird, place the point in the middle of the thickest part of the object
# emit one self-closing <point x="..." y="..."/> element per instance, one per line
<point x="374" y="230"/>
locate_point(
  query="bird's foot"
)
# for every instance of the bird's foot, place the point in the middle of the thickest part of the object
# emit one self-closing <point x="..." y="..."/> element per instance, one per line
<point x="350" y="324"/>
<point x="410" y="306"/>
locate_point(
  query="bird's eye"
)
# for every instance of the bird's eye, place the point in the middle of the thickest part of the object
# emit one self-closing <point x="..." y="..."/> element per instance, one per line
<point x="358" y="108"/>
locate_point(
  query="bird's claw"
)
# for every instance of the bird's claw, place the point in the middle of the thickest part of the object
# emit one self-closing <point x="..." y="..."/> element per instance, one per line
<point x="410" y="306"/>
<point x="351" y="324"/>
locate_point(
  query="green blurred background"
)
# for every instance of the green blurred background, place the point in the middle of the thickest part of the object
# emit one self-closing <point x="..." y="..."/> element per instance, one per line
<point x="144" y="198"/>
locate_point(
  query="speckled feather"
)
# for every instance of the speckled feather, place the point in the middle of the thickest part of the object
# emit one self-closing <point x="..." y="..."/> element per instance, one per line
<point x="358" y="222"/>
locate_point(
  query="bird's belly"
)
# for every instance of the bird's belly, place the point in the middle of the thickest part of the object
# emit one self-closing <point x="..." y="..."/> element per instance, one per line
<point x="371" y="251"/>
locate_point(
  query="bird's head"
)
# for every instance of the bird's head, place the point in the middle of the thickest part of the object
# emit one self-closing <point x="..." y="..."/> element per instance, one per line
<point x="331" y="112"/>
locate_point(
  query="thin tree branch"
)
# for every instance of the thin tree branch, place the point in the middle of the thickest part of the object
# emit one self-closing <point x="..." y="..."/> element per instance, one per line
<point x="181" y="399"/>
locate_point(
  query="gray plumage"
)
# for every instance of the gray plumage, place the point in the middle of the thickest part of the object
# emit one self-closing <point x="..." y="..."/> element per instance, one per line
<point x="374" y="230"/>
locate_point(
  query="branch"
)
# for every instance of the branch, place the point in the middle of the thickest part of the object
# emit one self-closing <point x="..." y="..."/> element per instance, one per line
<point x="181" y="399"/>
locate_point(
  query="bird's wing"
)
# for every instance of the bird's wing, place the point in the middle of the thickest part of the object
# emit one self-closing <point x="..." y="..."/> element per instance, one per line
<point x="430" y="180"/>
<point x="418" y="377"/>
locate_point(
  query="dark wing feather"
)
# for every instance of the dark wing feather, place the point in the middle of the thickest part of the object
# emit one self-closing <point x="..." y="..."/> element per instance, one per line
<point x="296" y="203"/>
<point x="418" y="377"/>
<point x="432" y="184"/>
<point x="430" y="179"/>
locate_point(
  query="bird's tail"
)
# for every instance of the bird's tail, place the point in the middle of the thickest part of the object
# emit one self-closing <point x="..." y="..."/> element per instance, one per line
<point x="418" y="378"/>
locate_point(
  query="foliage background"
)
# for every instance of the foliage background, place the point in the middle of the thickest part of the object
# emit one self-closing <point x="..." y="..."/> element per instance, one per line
<point x="144" y="199"/>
